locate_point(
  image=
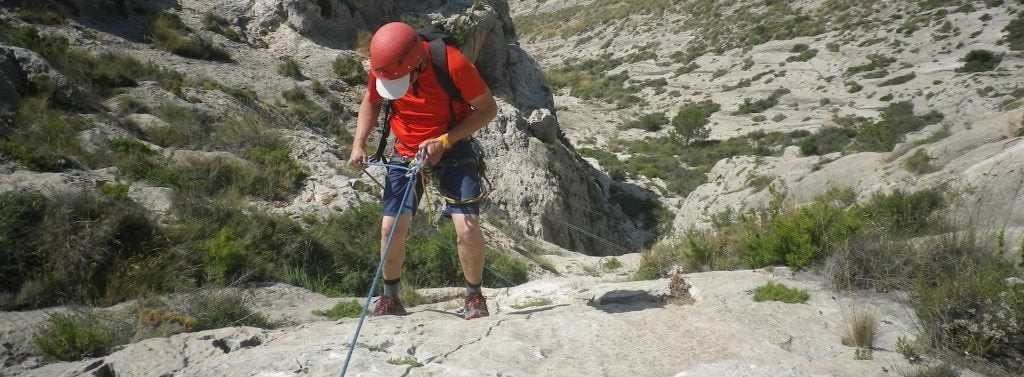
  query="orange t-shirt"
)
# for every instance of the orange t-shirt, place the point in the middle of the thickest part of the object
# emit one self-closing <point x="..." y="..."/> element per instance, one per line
<point x="422" y="113"/>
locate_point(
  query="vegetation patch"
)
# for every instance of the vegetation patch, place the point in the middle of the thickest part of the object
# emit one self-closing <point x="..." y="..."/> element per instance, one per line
<point x="349" y="68"/>
<point x="1015" y="33"/>
<point x="750" y="107"/>
<point x="169" y="33"/>
<point x="344" y="309"/>
<point x="648" y="122"/>
<point x="72" y="337"/>
<point x="780" y="292"/>
<point x="289" y="67"/>
<point x="919" y="163"/>
<point x="899" y="80"/>
<point x="980" y="61"/>
<point x="588" y="80"/>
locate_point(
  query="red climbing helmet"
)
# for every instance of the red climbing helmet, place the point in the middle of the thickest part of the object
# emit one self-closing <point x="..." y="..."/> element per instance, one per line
<point x="394" y="52"/>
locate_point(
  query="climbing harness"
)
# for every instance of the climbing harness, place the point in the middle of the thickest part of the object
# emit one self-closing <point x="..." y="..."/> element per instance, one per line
<point x="412" y="171"/>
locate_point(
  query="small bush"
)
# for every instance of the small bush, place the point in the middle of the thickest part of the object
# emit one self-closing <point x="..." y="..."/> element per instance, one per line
<point x="803" y="56"/>
<point x="612" y="264"/>
<point x="875" y="63"/>
<point x="225" y="309"/>
<point x="408" y="360"/>
<point x="801" y="237"/>
<point x="919" y="163"/>
<point x="899" y="80"/>
<point x="911" y="350"/>
<point x="504" y="271"/>
<point x="897" y="120"/>
<point x="780" y="292"/>
<point x="224" y="256"/>
<point x="344" y="309"/>
<point x="980" y="61"/>
<point x="690" y="123"/>
<point x="42" y="15"/>
<point x="860" y="329"/>
<point x="72" y="337"/>
<point x="295" y="94"/>
<point x="1015" y="34"/>
<point x="290" y="68"/>
<point x="759" y="106"/>
<point x="168" y="33"/>
<point x="349" y="69"/>
<point x="648" y="122"/>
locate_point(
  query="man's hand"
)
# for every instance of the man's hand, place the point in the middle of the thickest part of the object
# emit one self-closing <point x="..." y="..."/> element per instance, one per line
<point x="356" y="159"/>
<point x="434" y="149"/>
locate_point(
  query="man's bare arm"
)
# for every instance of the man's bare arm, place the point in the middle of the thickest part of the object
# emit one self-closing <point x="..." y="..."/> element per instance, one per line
<point x="368" y="113"/>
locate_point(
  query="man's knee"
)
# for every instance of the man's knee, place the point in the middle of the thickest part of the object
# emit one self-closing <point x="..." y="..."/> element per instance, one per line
<point x="467" y="226"/>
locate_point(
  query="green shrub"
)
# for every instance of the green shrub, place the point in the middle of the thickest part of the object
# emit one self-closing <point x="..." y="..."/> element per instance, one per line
<point x="980" y="61"/>
<point x="690" y="123"/>
<point x="861" y="328"/>
<point x="72" y="337"/>
<point x="294" y="95"/>
<point x="97" y="74"/>
<point x="224" y="256"/>
<point x="588" y="80"/>
<point x="612" y="264"/>
<point x="504" y="271"/>
<point x="827" y="140"/>
<point x="220" y="25"/>
<point x="112" y="235"/>
<point x="854" y="87"/>
<point x="188" y="128"/>
<point x="974" y="310"/>
<point x="780" y="292"/>
<point x="1015" y="34"/>
<point x="897" y="120"/>
<point x="344" y="309"/>
<point x="875" y="63"/>
<point x="349" y="69"/>
<point x="648" y="122"/>
<point x="44" y="139"/>
<point x="899" y="80"/>
<point x="803" y="56"/>
<point x="278" y="175"/>
<point x="801" y="237"/>
<point x="919" y="163"/>
<point x="290" y="68"/>
<point x="759" y="106"/>
<point x="169" y="33"/>
<point x="214" y="310"/>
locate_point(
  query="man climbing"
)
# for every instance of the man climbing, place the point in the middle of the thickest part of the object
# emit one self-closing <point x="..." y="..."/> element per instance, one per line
<point x="436" y="117"/>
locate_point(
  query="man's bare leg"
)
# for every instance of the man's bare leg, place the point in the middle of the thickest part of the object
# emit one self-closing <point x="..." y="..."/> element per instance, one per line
<point x="471" y="246"/>
<point x="393" y="265"/>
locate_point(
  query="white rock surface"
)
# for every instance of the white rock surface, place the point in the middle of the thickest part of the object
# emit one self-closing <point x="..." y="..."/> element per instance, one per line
<point x="592" y="326"/>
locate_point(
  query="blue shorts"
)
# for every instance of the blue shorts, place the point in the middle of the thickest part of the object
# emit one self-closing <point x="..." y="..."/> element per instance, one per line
<point x="457" y="179"/>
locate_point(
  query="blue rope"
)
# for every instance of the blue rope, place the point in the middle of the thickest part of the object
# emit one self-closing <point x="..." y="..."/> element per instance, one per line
<point x="412" y="174"/>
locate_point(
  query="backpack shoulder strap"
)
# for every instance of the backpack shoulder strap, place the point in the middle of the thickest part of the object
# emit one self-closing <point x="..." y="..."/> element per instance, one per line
<point x="439" y="61"/>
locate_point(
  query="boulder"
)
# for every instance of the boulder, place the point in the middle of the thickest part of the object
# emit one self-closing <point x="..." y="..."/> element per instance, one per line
<point x="37" y="71"/>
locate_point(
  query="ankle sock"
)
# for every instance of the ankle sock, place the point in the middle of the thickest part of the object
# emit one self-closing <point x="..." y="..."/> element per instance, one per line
<point x="473" y="288"/>
<point x="391" y="287"/>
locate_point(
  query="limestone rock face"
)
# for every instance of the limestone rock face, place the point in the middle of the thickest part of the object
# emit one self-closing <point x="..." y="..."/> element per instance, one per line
<point x="570" y="325"/>
<point x="37" y="71"/>
<point x="12" y="84"/>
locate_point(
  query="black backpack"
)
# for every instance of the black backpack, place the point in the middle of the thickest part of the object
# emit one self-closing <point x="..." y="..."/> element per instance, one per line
<point x="438" y="38"/>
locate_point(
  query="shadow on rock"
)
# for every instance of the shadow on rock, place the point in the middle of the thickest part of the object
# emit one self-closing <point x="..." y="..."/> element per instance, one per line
<point x="536" y="310"/>
<point x="623" y="301"/>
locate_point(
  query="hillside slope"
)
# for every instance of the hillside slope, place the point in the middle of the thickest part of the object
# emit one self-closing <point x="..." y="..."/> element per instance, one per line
<point x="811" y="69"/>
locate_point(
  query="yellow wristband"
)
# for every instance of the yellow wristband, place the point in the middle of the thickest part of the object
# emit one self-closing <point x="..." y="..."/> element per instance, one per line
<point x="445" y="143"/>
